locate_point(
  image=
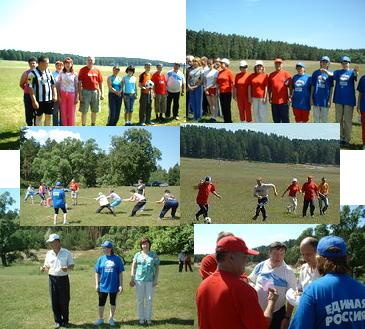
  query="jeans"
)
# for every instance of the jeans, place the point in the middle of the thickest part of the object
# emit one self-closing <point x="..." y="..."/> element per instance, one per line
<point x="115" y="104"/>
<point x="167" y="206"/>
<point x="196" y="102"/>
<point x="129" y="102"/>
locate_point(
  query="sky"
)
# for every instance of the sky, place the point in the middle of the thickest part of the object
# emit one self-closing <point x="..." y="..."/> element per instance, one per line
<point x="140" y="28"/>
<point x="166" y="139"/>
<point x="331" y="24"/>
<point x="299" y="131"/>
<point x="205" y="236"/>
<point x="14" y="193"/>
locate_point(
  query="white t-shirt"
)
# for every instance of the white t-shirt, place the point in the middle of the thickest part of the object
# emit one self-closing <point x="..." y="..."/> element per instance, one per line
<point x="307" y="275"/>
<point x="115" y="196"/>
<point x="56" y="262"/>
<point x="210" y="78"/>
<point x="67" y="82"/>
<point x="262" y="190"/>
<point x="139" y="197"/>
<point x="174" y="81"/>
<point x="282" y="278"/>
<point x="103" y="200"/>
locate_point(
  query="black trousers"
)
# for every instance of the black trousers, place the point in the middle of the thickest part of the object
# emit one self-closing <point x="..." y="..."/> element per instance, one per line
<point x="172" y="97"/>
<point x="59" y="290"/>
<point x="225" y="99"/>
<point x="104" y="295"/>
<point x="29" y="112"/>
<point x="181" y="266"/>
<point x="205" y="104"/>
<point x="277" y="317"/>
<point x="138" y="206"/>
<point x="102" y="207"/>
<point x="145" y="108"/>
<point x="307" y="203"/>
<point x="203" y="210"/>
<point x="188" y="264"/>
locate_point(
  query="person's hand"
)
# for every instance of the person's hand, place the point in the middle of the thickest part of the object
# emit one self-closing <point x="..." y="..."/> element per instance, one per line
<point x="35" y="105"/>
<point x="44" y="268"/>
<point x="358" y="109"/>
<point x="207" y="92"/>
<point x="120" y="289"/>
<point x="289" y="100"/>
<point x="81" y="98"/>
<point x="101" y="97"/>
<point x="132" y="283"/>
<point x="97" y="288"/>
<point x="54" y="98"/>
<point x="182" y="93"/>
<point x="64" y="268"/>
<point x="264" y="101"/>
<point x="270" y="100"/>
<point x="273" y="295"/>
<point x="329" y="104"/>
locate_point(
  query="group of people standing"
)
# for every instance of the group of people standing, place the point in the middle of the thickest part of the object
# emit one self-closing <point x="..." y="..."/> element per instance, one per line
<point x="54" y="95"/>
<point x="109" y="270"/>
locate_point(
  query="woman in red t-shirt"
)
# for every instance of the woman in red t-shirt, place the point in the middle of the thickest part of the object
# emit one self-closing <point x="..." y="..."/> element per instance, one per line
<point x="240" y="92"/>
<point x="225" y="81"/>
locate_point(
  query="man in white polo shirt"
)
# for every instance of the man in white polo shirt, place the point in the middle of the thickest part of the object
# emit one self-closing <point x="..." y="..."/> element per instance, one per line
<point x="175" y="86"/>
<point x="57" y="263"/>
<point x="308" y="271"/>
<point x="275" y="273"/>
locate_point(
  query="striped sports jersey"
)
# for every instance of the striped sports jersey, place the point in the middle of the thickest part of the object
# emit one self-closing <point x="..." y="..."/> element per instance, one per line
<point x="41" y="83"/>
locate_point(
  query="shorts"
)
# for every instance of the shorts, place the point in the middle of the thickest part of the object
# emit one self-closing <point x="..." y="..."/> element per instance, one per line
<point x="64" y="210"/>
<point x="44" y="108"/>
<point x="211" y="91"/>
<point x="90" y="98"/>
<point x="73" y="194"/>
<point x="116" y="203"/>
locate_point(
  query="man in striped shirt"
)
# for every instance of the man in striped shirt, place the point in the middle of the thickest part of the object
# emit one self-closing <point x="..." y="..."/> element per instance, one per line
<point x="42" y="91"/>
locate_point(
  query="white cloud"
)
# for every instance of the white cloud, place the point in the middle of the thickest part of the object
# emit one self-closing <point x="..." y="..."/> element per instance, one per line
<point x="58" y="135"/>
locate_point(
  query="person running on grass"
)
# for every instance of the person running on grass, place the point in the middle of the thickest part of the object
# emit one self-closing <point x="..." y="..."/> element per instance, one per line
<point x="29" y="194"/>
<point x="205" y="187"/>
<point x="310" y="191"/>
<point x="104" y="203"/>
<point x="323" y="191"/>
<point x="140" y="199"/>
<point x="261" y="192"/>
<point x="293" y="189"/>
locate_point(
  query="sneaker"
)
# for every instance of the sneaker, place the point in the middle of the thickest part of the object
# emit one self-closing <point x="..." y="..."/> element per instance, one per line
<point x="99" y="322"/>
<point x="111" y="322"/>
<point x="254" y="217"/>
<point x="66" y="223"/>
<point x="175" y="118"/>
<point x="142" y="124"/>
<point x="197" y="217"/>
<point x="66" y="325"/>
<point x="57" y="325"/>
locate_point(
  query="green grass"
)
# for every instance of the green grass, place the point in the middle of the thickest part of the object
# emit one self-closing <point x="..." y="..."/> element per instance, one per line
<point x="311" y="66"/>
<point x="12" y="110"/>
<point x="27" y="304"/>
<point x="84" y="213"/>
<point x="235" y="181"/>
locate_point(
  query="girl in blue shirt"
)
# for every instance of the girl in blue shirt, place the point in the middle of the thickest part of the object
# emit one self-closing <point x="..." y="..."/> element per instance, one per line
<point x="109" y="270"/>
<point x="114" y="97"/>
<point x="129" y="87"/>
<point x="144" y="275"/>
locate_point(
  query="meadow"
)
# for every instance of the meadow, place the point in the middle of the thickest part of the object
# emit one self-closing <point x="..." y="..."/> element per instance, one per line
<point x="28" y="305"/>
<point x="235" y="180"/>
<point x="311" y="66"/>
<point x="12" y="109"/>
<point x="84" y="214"/>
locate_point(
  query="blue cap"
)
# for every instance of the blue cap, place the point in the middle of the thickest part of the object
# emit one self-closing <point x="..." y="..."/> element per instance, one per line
<point x="300" y="64"/>
<point x="331" y="241"/>
<point x="107" y="244"/>
<point x="345" y="59"/>
<point x="58" y="184"/>
<point x="325" y="58"/>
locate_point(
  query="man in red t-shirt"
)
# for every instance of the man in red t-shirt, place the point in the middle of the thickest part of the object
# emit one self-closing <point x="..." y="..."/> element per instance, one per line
<point x="293" y="189"/>
<point x="160" y="92"/>
<point x="224" y="300"/>
<point x="74" y="187"/>
<point x="90" y="90"/>
<point x="205" y="188"/>
<point x="279" y="89"/>
<point x="310" y="190"/>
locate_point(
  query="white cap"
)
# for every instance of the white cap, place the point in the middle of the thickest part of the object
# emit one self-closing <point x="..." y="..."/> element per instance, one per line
<point x="100" y="193"/>
<point x="225" y="61"/>
<point x="259" y="63"/>
<point x="243" y="63"/>
<point x="53" y="237"/>
<point x="294" y="180"/>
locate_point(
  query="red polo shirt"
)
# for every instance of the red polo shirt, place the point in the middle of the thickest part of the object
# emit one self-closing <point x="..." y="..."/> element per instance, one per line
<point x="160" y="83"/>
<point x="225" y="81"/>
<point x="278" y="84"/>
<point x="90" y="78"/>
<point x="310" y="190"/>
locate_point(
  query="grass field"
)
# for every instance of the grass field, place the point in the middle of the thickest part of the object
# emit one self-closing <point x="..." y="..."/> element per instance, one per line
<point x="235" y="180"/>
<point x="12" y="109"/>
<point x="311" y="66"/>
<point x="28" y="303"/>
<point x="84" y="214"/>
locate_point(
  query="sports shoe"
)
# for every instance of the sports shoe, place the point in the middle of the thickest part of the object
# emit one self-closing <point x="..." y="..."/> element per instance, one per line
<point x="66" y="223"/>
<point x="254" y="217"/>
<point x="99" y="322"/>
<point x="197" y="217"/>
<point x="264" y="218"/>
<point x="175" y="118"/>
<point x="111" y="323"/>
<point x="57" y="325"/>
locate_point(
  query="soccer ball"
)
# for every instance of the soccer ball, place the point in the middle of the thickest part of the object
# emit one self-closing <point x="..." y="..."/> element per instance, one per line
<point x="207" y="220"/>
<point x="149" y="84"/>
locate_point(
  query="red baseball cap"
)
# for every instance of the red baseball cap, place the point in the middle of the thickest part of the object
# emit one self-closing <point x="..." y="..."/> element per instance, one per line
<point x="234" y="244"/>
<point x="278" y="60"/>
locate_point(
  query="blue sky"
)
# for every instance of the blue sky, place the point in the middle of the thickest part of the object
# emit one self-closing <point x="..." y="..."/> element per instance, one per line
<point x="335" y="24"/>
<point x="254" y="235"/>
<point x="166" y="139"/>
<point x="300" y="131"/>
<point x="14" y="193"/>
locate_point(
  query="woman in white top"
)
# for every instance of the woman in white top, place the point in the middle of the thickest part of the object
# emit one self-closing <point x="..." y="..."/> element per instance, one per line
<point x="68" y="91"/>
<point x="210" y="89"/>
<point x="195" y="81"/>
<point x="140" y="199"/>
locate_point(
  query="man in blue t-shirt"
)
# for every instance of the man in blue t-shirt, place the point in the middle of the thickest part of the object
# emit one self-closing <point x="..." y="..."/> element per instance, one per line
<point x="59" y="201"/>
<point x="361" y="106"/>
<point x="322" y="88"/>
<point x="335" y="301"/>
<point x="344" y="98"/>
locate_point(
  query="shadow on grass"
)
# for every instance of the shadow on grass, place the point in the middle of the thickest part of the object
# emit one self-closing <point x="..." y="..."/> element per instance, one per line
<point x="175" y="321"/>
<point x="9" y="144"/>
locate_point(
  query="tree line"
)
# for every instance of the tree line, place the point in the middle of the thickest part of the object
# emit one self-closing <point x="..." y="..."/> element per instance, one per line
<point x="22" y="55"/>
<point x="20" y="242"/>
<point x="130" y="157"/>
<point x="211" y="143"/>
<point x="233" y="46"/>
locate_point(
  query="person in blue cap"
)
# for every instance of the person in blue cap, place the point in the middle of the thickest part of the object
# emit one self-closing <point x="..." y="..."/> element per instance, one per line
<point x="361" y="107"/>
<point x="300" y="94"/>
<point x="344" y="98"/>
<point x="335" y="300"/>
<point x="322" y="89"/>
<point x="109" y="270"/>
<point x="59" y="202"/>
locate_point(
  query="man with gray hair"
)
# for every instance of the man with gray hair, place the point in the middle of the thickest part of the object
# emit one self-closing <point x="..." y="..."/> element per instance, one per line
<point x="91" y="90"/>
<point x="308" y="271"/>
<point x="57" y="264"/>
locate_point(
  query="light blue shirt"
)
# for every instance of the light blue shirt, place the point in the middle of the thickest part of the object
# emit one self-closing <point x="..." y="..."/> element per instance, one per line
<point x="146" y="266"/>
<point x="116" y="82"/>
<point x="129" y="84"/>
